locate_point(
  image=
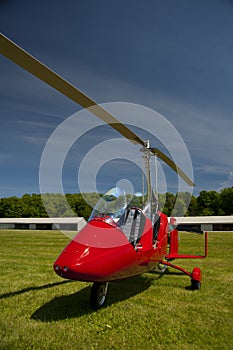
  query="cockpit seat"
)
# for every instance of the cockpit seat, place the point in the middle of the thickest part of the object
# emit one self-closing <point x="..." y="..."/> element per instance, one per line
<point x="134" y="225"/>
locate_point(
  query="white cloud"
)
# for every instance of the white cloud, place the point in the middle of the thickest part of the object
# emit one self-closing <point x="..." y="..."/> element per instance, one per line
<point x="228" y="183"/>
<point x="34" y="140"/>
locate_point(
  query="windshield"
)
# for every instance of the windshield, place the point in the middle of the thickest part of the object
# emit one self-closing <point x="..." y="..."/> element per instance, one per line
<point x="112" y="204"/>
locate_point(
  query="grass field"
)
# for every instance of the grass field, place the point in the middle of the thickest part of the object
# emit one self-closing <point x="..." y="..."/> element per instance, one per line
<point x="41" y="311"/>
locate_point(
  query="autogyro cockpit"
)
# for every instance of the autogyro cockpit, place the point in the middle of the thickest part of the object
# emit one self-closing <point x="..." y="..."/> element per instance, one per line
<point x="124" y="211"/>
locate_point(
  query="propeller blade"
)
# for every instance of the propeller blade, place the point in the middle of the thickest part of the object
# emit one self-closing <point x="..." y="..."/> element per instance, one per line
<point x="172" y="165"/>
<point x="22" y="58"/>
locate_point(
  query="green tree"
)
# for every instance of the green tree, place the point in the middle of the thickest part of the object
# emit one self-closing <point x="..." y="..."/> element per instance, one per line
<point x="226" y="201"/>
<point x="169" y="203"/>
<point x="11" y="207"/>
<point x="179" y="208"/>
<point x="208" y="203"/>
<point x="193" y="207"/>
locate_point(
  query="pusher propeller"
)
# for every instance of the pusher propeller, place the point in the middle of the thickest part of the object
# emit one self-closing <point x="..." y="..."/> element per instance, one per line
<point x="22" y="58"/>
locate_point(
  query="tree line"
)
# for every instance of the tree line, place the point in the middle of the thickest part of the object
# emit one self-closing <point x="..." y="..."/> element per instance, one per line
<point x="32" y="205"/>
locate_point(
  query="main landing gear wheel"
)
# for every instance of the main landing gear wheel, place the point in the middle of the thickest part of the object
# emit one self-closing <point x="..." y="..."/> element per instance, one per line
<point x="98" y="294"/>
<point x="196" y="278"/>
<point x="195" y="285"/>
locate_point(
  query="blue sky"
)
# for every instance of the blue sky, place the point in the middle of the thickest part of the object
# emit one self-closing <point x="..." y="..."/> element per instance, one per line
<point x="172" y="56"/>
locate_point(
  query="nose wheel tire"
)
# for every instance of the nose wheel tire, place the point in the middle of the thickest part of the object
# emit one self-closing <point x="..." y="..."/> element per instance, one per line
<point x="98" y="294"/>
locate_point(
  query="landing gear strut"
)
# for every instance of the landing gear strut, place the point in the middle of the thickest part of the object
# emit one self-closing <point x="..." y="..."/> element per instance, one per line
<point x="98" y="294"/>
<point x="195" y="275"/>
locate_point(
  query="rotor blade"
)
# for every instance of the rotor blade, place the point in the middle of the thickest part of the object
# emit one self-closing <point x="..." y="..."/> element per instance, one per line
<point x="22" y="58"/>
<point x="12" y="51"/>
<point x="172" y="165"/>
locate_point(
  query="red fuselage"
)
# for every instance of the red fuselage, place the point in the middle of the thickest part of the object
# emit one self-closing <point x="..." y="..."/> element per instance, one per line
<point x="101" y="252"/>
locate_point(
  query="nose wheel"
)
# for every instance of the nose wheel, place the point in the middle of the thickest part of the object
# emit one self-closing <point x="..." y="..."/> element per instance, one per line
<point x="98" y="295"/>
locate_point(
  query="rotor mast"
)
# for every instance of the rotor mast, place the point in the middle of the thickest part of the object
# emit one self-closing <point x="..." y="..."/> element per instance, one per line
<point x="146" y="156"/>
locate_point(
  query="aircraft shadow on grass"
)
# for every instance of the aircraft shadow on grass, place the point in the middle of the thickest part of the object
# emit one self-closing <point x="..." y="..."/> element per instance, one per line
<point x="28" y="289"/>
<point x="77" y="304"/>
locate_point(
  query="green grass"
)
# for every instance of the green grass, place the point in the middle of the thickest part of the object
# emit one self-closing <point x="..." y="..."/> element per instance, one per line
<point x="39" y="310"/>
